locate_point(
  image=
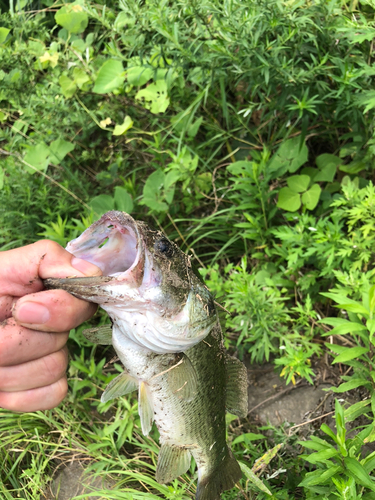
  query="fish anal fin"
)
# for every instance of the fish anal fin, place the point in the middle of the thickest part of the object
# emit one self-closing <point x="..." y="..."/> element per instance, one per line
<point x="172" y="462"/>
<point x="236" y="387"/>
<point x="99" y="335"/>
<point x="182" y="379"/>
<point x="145" y="408"/>
<point x="121" y="385"/>
<point x="222" y="478"/>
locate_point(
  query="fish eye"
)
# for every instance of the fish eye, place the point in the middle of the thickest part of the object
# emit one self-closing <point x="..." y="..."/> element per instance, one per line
<point x="164" y="247"/>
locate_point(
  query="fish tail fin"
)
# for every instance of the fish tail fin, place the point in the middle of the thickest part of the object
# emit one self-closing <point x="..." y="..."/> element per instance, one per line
<point x="224" y="477"/>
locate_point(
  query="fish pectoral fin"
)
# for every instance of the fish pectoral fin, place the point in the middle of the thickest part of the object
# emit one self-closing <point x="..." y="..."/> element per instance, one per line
<point x="121" y="385"/>
<point x="99" y="335"/>
<point x="145" y="408"/>
<point x="236" y="387"/>
<point x="172" y="462"/>
<point x="182" y="379"/>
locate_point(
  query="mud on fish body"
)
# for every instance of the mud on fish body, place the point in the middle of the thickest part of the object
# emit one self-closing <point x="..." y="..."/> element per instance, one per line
<point x="166" y="332"/>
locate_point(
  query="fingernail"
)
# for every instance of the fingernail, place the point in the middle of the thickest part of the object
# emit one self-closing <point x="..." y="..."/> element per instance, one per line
<point x="85" y="267"/>
<point x="31" y="312"/>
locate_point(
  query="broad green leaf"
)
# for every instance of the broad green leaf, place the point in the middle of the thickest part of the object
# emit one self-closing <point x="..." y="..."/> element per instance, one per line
<point x="343" y="329"/>
<point x="155" y="195"/>
<point x="359" y="473"/>
<point x="289" y="200"/>
<point x="311" y="197"/>
<point x="289" y="157"/>
<point x="123" y="200"/>
<point x="59" y="149"/>
<point x="254" y="479"/>
<point x="139" y="75"/>
<point x="350" y="353"/>
<point x="37" y="156"/>
<point x="122" y="129"/>
<point x="80" y="77"/>
<point x="3" y="34"/>
<point x="319" y="477"/>
<point x="72" y="17"/>
<point x="154" y="97"/>
<point x="123" y="19"/>
<point x="298" y="183"/>
<point x="68" y="87"/>
<point x="1" y="178"/>
<point x="102" y="204"/>
<point x="110" y="77"/>
<point x="321" y="456"/>
<point x="328" y="165"/>
<point x="352" y="384"/>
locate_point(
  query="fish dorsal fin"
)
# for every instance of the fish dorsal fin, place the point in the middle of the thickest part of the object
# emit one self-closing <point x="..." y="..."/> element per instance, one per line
<point x="121" y="385"/>
<point x="236" y="387"/>
<point x="172" y="462"/>
<point x="145" y="408"/>
<point x="99" y="335"/>
<point x="182" y="378"/>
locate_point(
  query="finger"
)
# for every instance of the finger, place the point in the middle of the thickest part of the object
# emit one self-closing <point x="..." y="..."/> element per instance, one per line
<point x="38" y="373"/>
<point x="52" y="311"/>
<point x="23" y="268"/>
<point x="6" y="304"/>
<point x="43" y="398"/>
<point x="19" y="345"/>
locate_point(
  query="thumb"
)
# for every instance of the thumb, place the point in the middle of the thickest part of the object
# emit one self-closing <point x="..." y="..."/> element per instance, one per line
<point x="22" y="269"/>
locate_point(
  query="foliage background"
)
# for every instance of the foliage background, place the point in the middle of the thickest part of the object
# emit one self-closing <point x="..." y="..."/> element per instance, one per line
<point x="246" y="131"/>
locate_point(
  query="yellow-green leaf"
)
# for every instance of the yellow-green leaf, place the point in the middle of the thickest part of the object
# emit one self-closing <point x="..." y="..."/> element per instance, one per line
<point x="122" y="129"/>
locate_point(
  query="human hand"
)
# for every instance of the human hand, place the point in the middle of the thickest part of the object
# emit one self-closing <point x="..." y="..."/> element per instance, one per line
<point x="35" y="324"/>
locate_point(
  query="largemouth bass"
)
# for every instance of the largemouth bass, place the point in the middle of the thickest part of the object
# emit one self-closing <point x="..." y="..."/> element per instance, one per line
<point x="166" y="332"/>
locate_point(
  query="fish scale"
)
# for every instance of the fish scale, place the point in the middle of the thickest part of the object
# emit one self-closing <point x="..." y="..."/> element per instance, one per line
<point x="166" y="332"/>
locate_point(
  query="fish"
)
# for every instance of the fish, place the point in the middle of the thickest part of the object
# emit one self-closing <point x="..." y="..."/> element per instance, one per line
<point x="166" y="331"/>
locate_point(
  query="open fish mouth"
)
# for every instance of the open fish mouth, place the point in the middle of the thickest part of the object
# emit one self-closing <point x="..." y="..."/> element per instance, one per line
<point x="114" y="244"/>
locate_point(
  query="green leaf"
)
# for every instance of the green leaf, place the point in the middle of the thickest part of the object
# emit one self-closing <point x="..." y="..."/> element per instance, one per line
<point x="123" y="200"/>
<point x="102" y="204"/>
<point x="289" y="157"/>
<point x="298" y="183"/>
<point x="248" y="436"/>
<point x="68" y="87"/>
<point x="3" y="34"/>
<point x="311" y="197"/>
<point x="328" y="165"/>
<point x="155" y="194"/>
<point x="319" y="477"/>
<point x="359" y="473"/>
<point x="154" y="97"/>
<point x="343" y="326"/>
<point x="289" y="200"/>
<point x="139" y="75"/>
<point x="110" y="77"/>
<point x="123" y="19"/>
<point x="352" y="384"/>
<point x="350" y="353"/>
<point x="72" y="17"/>
<point x="321" y="456"/>
<point x="122" y="129"/>
<point x="2" y="175"/>
<point x="37" y="156"/>
<point x="59" y="149"/>
<point x="254" y="479"/>
<point x="80" y="77"/>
